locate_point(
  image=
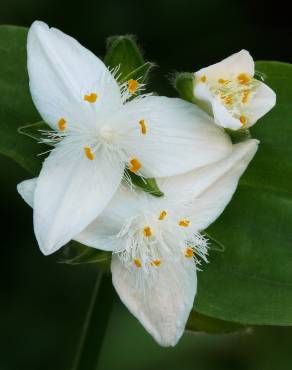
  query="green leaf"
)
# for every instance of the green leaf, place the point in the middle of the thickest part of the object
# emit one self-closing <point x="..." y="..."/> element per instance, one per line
<point x="184" y="84"/>
<point x="148" y="185"/>
<point x="123" y="52"/>
<point x="16" y="106"/>
<point x="201" y="323"/>
<point x="251" y="282"/>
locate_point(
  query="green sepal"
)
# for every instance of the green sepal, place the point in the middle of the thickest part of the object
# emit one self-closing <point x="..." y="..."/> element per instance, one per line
<point x="237" y="136"/>
<point x="140" y="74"/>
<point x="75" y="253"/>
<point x="123" y="53"/>
<point x="148" y="185"/>
<point x="184" y="84"/>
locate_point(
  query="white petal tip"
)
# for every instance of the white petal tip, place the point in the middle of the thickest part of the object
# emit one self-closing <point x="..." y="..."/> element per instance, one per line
<point x="26" y="190"/>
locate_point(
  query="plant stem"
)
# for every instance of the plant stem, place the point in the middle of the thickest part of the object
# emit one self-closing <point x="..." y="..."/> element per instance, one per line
<point x="95" y="324"/>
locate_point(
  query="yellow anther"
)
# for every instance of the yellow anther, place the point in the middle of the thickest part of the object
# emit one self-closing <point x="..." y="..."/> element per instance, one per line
<point x="228" y="100"/>
<point x="243" y="78"/>
<point x="137" y="262"/>
<point x="184" y="223"/>
<point x="223" y="82"/>
<point x="133" y="86"/>
<point x="245" y="96"/>
<point x="91" y="98"/>
<point x="156" y="262"/>
<point x="147" y="231"/>
<point x="162" y="215"/>
<point x="143" y="126"/>
<point x="189" y="252"/>
<point x="88" y="153"/>
<point x="135" y="165"/>
<point x="203" y="79"/>
<point x="242" y="119"/>
<point x="62" y="124"/>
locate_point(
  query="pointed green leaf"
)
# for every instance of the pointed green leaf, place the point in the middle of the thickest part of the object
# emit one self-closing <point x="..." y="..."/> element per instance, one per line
<point x="201" y="323"/>
<point x="184" y="84"/>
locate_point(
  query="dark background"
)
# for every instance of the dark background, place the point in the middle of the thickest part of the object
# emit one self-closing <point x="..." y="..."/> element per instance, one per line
<point x="43" y="302"/>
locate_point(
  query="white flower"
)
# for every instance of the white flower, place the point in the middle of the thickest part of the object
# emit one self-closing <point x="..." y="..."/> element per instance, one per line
<point x="98" y="132"/>
<point x="156" y="242"/>
<point x="229" y="91"/>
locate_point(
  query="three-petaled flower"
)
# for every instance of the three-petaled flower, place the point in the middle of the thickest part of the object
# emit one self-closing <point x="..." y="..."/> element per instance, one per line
<point x="229" y="91"/>
<point x="98" y="131"/>
<point x="156" y="243"/>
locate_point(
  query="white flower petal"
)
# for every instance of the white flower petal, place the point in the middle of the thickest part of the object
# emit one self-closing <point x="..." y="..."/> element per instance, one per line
<point x="237" y="63"/>
<point x="263" y="101"/>
<point x="26" y="189"/>
<point x="61" y="73"/>
<point x="71" y="192"/>
<point x="211" y="187"/>
<point x="222" y="117"/>
<point x="102" y="232"/>
<point x="163" y="305"/>
<point x="179" y="136"/>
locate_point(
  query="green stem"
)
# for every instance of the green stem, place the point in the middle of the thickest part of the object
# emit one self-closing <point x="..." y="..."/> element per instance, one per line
<point x="95" y="324"/>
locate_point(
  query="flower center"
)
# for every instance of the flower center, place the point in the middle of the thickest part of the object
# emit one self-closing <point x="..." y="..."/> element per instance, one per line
<point x="106" y="133"/>
<point x="235" y="93"/>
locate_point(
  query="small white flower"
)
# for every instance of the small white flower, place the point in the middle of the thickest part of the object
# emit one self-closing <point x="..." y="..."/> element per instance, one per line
<point x="229" y="91"/>
<point x="156" y="242"/>
<point x="98" y="132"/>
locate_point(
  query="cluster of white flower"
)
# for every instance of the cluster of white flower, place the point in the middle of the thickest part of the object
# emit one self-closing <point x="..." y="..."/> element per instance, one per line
<point x="99" y="129"/>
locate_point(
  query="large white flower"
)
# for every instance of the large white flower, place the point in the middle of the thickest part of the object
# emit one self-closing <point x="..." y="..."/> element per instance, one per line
<point x="98" y="131"/>
<point x="156" y="242"/>
<point x="230" y="92"/>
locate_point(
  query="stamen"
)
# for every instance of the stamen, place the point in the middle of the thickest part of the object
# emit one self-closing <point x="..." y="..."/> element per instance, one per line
<point x="189" y="252"/>
<point x="156" y="262"/>
<point x="162" y="215"/>
<point x="91" y="98"/>
<point x="133" y="86"/>
<point x="223" y="82"/>
<point x="228" y="100"/>
<point x="137" y="262"/>
<point x="147" y="231"/>
<point x="243" y="78"/>
<point x="62" y="124"/>
<point x="88" y="153"/>
<point x="203" y="79"/>
<point x="135" y="165"/>
<point x="184" y="223"/>
<point x="143" y="126"/>
<point x="245" y="96"/>
<point x="242" y="119"/>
